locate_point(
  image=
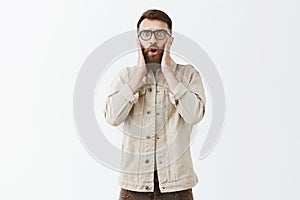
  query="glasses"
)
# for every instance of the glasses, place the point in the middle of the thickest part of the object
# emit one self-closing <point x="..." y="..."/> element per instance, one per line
<point x="159" y="34"/>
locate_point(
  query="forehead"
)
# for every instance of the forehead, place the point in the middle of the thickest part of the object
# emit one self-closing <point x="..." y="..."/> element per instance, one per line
<point x="153" y="24"/>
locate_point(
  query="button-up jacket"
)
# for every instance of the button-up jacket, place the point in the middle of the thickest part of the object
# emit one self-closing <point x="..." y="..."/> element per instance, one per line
<point x="157" y="125"/>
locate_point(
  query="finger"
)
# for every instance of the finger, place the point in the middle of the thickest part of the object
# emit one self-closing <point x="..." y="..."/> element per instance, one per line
<point x="139" y="45"/>
<point x="172" y="39"/>
<point x="168" y="44"/>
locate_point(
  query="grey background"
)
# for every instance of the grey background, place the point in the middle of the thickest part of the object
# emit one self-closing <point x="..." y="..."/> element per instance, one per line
<point x="254" y="45"/>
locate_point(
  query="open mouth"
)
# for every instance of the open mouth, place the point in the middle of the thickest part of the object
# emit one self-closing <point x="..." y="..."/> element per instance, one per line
<point x="153" y="50"/>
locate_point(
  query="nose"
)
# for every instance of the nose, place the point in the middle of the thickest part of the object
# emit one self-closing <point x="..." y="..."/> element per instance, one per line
<point x="152" y="39"/>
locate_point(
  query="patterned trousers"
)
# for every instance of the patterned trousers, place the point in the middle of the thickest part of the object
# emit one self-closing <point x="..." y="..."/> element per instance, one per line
<point x="156" y="195"/>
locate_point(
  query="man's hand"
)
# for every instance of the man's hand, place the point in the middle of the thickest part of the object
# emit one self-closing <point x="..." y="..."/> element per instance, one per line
<point x="166" y="66"/>
<point x="166" y="61"/>
<point x="141" y="60"/>
<point x="140" y="72"/>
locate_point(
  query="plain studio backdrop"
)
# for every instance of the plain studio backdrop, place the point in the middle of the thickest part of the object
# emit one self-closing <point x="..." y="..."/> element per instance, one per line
<point x="253" y="43"/>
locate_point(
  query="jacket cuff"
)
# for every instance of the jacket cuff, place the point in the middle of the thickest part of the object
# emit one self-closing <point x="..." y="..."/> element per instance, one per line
<point x="127" y="93"/>
<point x="177" y="93"/>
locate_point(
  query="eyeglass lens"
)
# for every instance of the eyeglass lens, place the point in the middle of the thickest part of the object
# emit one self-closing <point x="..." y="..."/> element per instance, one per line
<point x="147" y="34"/>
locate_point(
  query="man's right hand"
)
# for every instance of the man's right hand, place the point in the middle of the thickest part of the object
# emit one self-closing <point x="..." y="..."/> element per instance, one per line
<point x="140" y="72"/>
<point x="141" y="60"/>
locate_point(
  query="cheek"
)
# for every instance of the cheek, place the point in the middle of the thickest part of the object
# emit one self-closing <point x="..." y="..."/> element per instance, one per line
<point x="161" y="45"/>
<point x="145" y="44"/>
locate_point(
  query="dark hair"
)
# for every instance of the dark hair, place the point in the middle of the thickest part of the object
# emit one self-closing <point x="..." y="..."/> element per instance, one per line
<point x="156" y="14"/>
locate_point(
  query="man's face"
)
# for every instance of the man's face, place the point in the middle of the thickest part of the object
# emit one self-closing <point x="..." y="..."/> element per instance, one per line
<point x="153" y="48"/>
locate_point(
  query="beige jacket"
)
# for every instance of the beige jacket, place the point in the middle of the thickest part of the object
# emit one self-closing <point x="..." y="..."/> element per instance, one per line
<point x="157" y="127"/>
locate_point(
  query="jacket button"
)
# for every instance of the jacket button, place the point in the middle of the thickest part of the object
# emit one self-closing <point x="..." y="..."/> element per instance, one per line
<point x="148" y="137"/>
<point x="157" y="113"/>
<point x="147" y="187"/>
<point x="160" y="162"/>
<point x="146" y="161"/>
<point x="150" y="89"/>
<point x="148" y="112"/>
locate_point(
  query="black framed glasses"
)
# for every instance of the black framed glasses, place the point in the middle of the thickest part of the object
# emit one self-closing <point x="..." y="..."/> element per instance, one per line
<point x="159" y="34"/>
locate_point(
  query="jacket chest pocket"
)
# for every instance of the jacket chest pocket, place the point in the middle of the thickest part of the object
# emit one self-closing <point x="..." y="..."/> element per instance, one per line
<point x="140" y="108"/>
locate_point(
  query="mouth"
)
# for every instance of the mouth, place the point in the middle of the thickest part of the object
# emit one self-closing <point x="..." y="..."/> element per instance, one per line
<point x="153" y="51"/>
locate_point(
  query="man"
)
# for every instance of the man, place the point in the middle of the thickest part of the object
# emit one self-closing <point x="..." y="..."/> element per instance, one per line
<point x="159" y="101"/>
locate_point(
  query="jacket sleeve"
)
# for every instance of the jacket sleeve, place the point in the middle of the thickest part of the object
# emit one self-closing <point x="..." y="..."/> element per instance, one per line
<point x="190" y="100"/>
<point x="120" y="99"/>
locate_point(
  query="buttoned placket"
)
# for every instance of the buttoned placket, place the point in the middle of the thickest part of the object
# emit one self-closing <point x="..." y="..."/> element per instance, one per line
<point x="160" y="125"/>
<point x="157" y="113"/>
<point x="149" y="132"/>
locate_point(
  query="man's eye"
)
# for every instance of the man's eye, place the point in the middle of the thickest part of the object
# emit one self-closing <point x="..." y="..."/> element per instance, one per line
<point x="160" y="33"/>
<point x="145" y="34"/>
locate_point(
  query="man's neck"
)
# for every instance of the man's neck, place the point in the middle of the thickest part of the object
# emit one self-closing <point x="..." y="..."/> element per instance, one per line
<point x="154" y="67"/>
